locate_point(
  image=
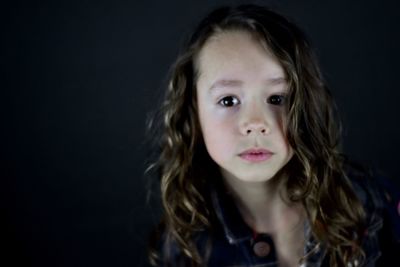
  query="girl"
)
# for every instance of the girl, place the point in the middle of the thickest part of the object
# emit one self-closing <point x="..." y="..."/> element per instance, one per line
<point x="250" y="168"/>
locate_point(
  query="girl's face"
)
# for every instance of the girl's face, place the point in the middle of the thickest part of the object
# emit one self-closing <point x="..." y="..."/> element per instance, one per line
<point x="241" y="96"/>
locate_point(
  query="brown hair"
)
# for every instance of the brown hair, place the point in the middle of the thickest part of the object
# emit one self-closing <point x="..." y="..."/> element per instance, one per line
<point x="316" y="172"/>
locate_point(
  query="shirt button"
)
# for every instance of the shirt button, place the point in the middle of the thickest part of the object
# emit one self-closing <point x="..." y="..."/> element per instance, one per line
<point x="261" y="249"/>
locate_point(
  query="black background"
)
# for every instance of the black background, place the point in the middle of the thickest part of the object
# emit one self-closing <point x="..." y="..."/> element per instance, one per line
<point x="78" y="79"/>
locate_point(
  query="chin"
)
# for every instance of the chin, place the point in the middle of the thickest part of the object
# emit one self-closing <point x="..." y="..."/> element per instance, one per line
<point x="256" y="177"/>
<point x="250" y="175"/>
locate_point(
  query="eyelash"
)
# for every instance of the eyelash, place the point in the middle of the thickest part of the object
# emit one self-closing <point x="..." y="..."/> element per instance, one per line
<point x="270" y="100"/>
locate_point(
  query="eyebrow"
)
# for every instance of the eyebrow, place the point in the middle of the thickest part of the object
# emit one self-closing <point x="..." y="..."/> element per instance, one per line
<point x="226" y="83"/>
<point x="238" y="83"/>
<point x="277" y="80"/>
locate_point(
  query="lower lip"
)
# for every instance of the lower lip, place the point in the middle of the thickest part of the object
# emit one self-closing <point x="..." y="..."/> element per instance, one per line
<point x="256" y="157"/>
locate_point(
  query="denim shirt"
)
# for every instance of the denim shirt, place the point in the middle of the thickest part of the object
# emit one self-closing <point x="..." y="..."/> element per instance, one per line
<point x="233" y="243"/>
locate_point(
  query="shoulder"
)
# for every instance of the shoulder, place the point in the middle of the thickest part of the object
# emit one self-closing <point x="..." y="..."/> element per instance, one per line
<point x="168" y="252"/>
<point x="380" y="197"/>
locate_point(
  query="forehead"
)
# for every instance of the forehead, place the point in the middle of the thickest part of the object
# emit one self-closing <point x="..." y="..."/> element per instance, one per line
<point x="236" y="54"/>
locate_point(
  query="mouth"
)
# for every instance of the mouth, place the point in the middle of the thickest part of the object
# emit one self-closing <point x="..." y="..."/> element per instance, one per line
<point x="256" y="155"/>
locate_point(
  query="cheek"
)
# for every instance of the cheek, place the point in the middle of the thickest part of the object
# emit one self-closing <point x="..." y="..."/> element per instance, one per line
<point x="285" y="146"/>
<point x="281" y="121"/>
<point x="218" y="138"/>
<point x="287" y="149"/>
<point x="290" y="152"/>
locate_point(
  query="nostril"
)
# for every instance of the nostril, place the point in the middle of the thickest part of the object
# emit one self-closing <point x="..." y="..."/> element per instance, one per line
<point x="263" y="131"/>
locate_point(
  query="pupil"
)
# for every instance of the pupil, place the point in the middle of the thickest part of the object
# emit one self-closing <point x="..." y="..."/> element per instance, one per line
<point x="228" y="101"/>
<point x="276" y="100"/>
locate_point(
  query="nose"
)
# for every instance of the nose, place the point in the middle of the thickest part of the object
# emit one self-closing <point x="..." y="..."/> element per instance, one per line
<point x="254" y="121"/>
<point x="255" y="127"/>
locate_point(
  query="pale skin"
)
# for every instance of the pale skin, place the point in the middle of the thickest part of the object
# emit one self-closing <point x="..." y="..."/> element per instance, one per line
<point x="240" y="90"/>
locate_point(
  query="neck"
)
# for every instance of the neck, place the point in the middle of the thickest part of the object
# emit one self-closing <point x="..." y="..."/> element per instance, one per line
<point x="263" y="207"/>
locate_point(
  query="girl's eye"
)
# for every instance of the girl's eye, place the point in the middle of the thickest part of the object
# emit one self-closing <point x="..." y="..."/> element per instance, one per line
<point x="276" y="100"/>
<point x="229" y="101"/>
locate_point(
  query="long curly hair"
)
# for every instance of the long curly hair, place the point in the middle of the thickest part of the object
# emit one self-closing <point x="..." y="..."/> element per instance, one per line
<point x="316" y="176"/>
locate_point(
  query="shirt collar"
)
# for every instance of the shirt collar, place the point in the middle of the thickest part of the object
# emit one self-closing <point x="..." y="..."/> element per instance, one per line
<point x="236" y="230"/>
<point x="227" y="213"/>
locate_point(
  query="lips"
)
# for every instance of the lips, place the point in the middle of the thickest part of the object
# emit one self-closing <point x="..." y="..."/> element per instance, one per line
<point x="256" y="154"/>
